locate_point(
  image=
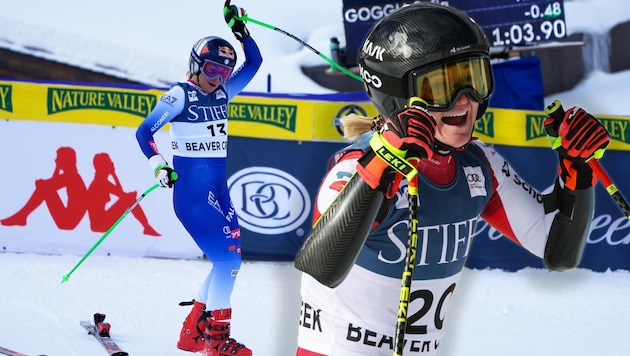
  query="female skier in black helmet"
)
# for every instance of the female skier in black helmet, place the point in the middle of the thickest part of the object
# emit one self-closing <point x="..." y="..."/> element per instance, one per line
<point x="426" y="68"/>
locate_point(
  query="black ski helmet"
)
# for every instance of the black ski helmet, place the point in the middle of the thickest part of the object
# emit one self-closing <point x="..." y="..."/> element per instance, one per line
<point x="412" y="38"/>
<point x="211" y="48"/>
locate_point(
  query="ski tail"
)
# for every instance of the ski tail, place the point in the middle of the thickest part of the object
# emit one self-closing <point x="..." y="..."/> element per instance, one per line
<point x="9" y="352"/>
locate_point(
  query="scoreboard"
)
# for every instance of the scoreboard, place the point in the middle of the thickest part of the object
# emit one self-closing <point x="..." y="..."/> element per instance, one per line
<point x="506" y="23"/>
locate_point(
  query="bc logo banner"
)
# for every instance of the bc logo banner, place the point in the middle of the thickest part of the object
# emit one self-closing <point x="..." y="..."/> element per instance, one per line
<point x="269" y="201"/>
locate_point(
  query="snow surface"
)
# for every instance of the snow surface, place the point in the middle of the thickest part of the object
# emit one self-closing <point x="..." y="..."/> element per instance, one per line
<point x="530" y="312"/>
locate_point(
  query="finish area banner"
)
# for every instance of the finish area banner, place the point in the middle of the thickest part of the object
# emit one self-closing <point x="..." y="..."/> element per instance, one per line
<point x="278" y="153"/>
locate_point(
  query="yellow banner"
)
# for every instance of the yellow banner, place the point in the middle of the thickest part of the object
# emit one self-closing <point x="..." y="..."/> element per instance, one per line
<point x="274" y="118"/>
<point x="74" y="103"/>
<point x="526" y="128"/>
<point x="291" y="119"/>
<point x="308" y="119"/>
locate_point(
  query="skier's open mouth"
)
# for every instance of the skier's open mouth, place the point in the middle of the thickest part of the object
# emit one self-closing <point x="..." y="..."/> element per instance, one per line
<point x="455" y="120"/>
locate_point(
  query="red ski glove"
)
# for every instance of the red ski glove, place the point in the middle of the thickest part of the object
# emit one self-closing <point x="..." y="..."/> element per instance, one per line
<point x="578" y="137"/>
<point x="408" y="134"/>
<point x="412" y="130"/>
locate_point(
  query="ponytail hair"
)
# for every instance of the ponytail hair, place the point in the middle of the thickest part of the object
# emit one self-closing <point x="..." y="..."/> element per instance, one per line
<point x="355" y="125"/>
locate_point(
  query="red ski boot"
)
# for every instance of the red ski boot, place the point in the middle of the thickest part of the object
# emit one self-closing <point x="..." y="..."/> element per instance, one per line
<point x="191" y="337"/>
<point x="217" y="334"/>
<point x="101" y="326"/>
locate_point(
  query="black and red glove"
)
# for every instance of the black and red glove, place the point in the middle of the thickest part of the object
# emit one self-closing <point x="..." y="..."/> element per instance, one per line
<point x="578" y="137"/>
<point x="409" y="133"/>
<point x="412" y="130"/>
<point x="235" y="18"/>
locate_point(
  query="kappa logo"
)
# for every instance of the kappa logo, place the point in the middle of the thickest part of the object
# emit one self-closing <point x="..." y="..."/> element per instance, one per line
<point x="101" y="201"/>
<point x="269" y="201"/>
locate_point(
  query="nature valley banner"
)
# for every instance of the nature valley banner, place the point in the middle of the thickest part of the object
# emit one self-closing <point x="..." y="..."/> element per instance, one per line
<point x="300" y="118"/>
<point x="307" y="118"/>
<point x="112" y="106"/>
<point x="61" y="100"/>
<point x="260" y="115"/>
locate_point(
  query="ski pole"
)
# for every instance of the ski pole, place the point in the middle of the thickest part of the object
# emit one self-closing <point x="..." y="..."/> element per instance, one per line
<point x="611" y="188"/>
<point x="67" y="276"/>
<point x="556" y="111"/>
<point x="245" y="18"/>
<point x="410" y="262"/>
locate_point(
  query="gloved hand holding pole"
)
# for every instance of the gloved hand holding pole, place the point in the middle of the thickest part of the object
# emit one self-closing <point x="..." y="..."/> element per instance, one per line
<point x="556" y="112"/>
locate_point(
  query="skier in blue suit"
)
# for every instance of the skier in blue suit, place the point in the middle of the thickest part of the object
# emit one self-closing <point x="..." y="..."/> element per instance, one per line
<point x="197" y="112"/>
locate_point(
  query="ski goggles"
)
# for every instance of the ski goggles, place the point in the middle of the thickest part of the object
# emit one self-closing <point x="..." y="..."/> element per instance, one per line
<point x="441" y="86"/>
<point x="213" y="70"/>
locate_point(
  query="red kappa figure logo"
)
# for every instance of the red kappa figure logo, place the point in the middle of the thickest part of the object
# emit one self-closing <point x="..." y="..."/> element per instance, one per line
<point x="93" y="199"/>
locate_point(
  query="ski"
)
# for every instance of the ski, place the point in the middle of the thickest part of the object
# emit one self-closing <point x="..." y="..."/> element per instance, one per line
<point x="107" y="343"/>
<point x="5" y="351"/>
